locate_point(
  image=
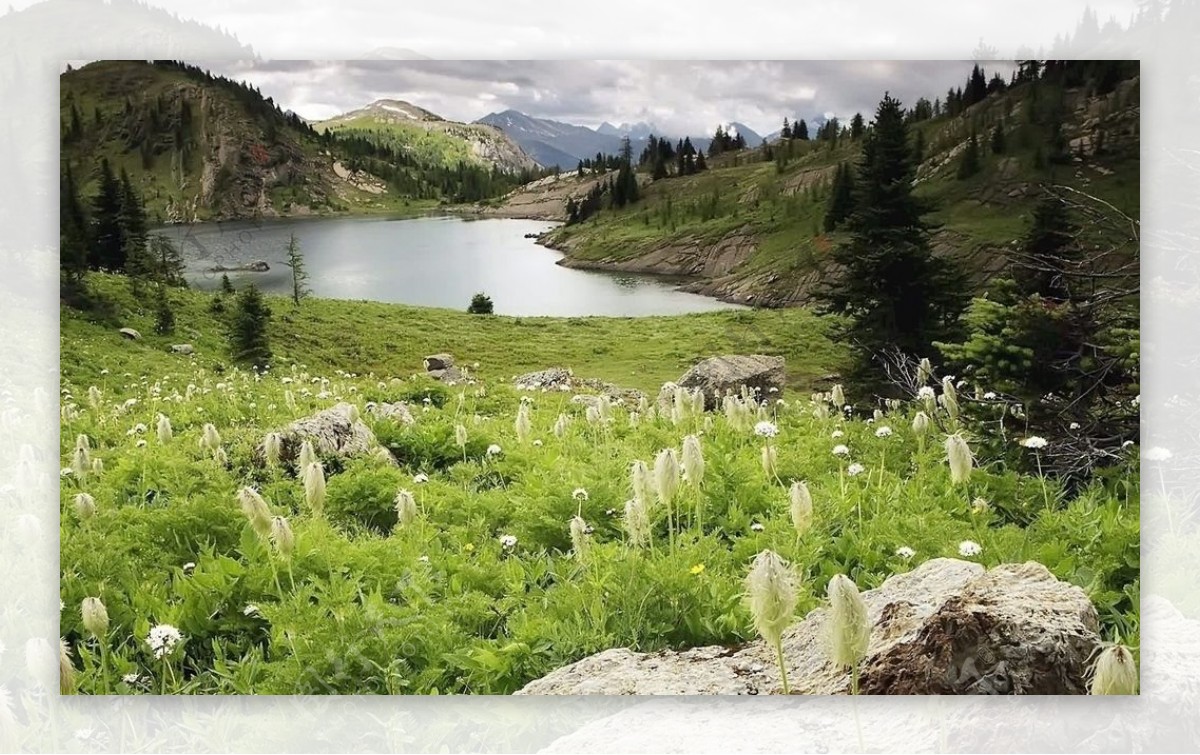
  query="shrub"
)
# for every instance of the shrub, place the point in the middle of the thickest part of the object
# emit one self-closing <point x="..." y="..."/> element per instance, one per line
<point x="364" y="494"/>
<point x="481" y="304"/>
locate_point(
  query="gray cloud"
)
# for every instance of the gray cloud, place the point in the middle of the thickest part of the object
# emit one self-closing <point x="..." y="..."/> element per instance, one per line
<point x="677" y="96"/>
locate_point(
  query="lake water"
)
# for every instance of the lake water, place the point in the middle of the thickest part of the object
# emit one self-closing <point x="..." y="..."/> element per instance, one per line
<point x="429" y="261"/>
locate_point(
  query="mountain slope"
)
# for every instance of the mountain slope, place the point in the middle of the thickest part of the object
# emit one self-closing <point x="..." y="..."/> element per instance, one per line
<point x="750" y="229"/>
<point x="431" y="139"/>
<point x="201" y="147"/>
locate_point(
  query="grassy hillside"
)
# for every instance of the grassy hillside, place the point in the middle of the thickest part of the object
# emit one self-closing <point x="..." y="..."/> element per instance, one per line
<point x="486" y="589"/>
<point x="751" y="229"/>
<point x="431" y="140"/>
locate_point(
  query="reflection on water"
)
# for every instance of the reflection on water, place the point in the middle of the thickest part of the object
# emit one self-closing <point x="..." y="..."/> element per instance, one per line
<point x="431" y="261"/>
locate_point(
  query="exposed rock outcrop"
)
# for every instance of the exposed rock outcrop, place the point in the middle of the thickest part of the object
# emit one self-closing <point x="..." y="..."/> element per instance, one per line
<point x="333" y="434"/>
<point x="717" y="376"/>
<point x="130" y="333"/>
<point x="946" y="627"/>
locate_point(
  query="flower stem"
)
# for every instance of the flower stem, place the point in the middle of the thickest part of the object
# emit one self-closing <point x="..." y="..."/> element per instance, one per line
<point x="782" y="666"/>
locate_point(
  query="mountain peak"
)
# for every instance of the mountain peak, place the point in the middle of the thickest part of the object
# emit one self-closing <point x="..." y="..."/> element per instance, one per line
<point x="401" y="109"/>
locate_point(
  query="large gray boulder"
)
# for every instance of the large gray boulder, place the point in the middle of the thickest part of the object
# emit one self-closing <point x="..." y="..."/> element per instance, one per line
<point x="946" y="627"/>
<point x="717" y="376"/>
<point x="438" y="362"/>
<point x="333" y="434"/>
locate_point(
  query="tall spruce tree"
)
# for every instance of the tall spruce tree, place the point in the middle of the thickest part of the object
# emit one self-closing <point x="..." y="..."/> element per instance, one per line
<point x="895" y="293"/>
<point x="841" y="197"/>
<point x="1049" y="248"/>
<point x="108" y="234"/>
<point x="73" y="231"/>
<point x="856" y="127"/>
<point x="248" y="339"/>
<point x="969" y="165"/>
<point x="800" y="131"/>
<point x="295" y="263"/>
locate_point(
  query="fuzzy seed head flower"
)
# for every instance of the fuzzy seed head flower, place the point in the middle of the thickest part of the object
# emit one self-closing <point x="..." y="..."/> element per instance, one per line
<point x="949" y="402"/>
<point x="921" y="423"/>
<point x="666" y="475"/>
<point x="771" y="594"/>
<point x="841" y="450"/>
<point x="162" y="640"/>
<point x="94" y="397"/>
<point x="958" y="453"/>
<point x="637" y="522"/>
<point x="579" y="494"/>
<point x="924" y="370"/>
<point x="85" y="506"/>
<point x="523" y="424"/>
<point x="80" y="462"/>
<point x="926" y="395"/>
<point x="494" y="450"/>
<point x="883" y="432"/>
<point x="579" y="538"/>
<point x="969" y="549"/>
<point x="209" y="438"/>
<point x="97" y="466"/>
<point x="800" y="507"/>
<point x="163" y="428"/>
<point x="837" y="395"/>
<point x="849" y="624"/>
<point x="980" y="505"/>
<point x="765" y="429"/>
<point x="855" y="469"/>
<point x="95" y="616"/>
<point x="905" y="552"/>
<point x="460" y="435"/>
<point x="1035" y="442"/>
<point x="307" y="456"/>
<point x="352" y="413"/>
<point x="877" y="415"/>
<point x="592" y="415"/>
<point x="256" y="510"/>
<point x="639" y="478"/>
<point x="406" y="508"/>
<point x="508" y="542"/>
<point x="948" y="389"/>
<point x="421" y="477"/>
<point x="1115" y="672"/>
<point x="66" y="669"/>
<point x="314" y="487"/>
<point x="693" y="461"/>
<point x="770" y="460"/>
<point x="272" y="448"/>
<point x="282" y="536"/>
<point x="681" y="404"/>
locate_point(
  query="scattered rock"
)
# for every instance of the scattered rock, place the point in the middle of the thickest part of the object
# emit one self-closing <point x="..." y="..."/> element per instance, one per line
<point x="183" y="348"/>
<point x="438" y="362"/>
<point x="450" y="375"/>
<point x="130" y="333"/>
<point x="553" y="379"/>
<point x="947" y="627"/>
<point x="398" y="411"/>
<point x="717" y="376"/>
<point x="332" y="433"/>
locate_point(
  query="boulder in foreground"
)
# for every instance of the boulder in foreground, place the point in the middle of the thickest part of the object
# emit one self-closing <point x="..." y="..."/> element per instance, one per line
<point x="947" y="628"/>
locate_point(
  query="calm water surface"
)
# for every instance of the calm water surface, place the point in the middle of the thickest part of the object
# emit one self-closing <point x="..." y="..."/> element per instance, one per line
<point x="429" y="261"/>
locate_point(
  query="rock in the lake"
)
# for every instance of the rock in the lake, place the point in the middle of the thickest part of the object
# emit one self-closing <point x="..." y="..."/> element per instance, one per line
<point x="332" y="433"/>
<point x="946" y="627"/>
<point x="130" y="333"/>
<point x="257" y="266"/>
<point x="438" y="362"/>
<point x="717" y="376"/>
<point x="183" y="348"/>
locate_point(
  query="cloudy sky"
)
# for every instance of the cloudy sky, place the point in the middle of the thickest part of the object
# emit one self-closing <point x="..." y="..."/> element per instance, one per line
<point x="676" y="96"/>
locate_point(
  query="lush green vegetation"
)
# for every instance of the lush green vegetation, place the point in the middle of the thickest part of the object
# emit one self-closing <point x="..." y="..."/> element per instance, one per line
<point x="483" y="590"/>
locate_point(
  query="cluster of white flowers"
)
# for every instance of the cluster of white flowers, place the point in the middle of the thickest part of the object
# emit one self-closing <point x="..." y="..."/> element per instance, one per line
<point x="508" y="542"/>
<point x="905" y="552"/>
<point x="883" y="432"/>
<point x="162" y="639"/>
<point x="855" y="469"/>
<point x="421" y="477"/>
<point x="766" y="429"/>
<point x="579" y="494"/>
<point x="494" y="450"/>
<point x="836" y="434"/>
<point x="840" y="450"/>
<point x="969" y="549"/>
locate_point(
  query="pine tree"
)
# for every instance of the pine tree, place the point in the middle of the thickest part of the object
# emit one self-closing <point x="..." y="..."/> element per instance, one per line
<point x="249" y="342"/>
<point x="164" y="316"/>
<point x="800" y="131"/>
<point x="856" y="127"/>
<point x="73" y="231"/>
<point x="786" y="133"/>
<point x="1049" y="246"/>
<point x="998" y="143"/>
<point x="108" y="234"/>
<point x="295" y="263"/>
<point x="841" y="197"/>
<point x="166" y="262"/>
<point x="701" y="164"/>
<point x="893" y="290"/>
<point x="968" y="165"/>
<point x="133" y="220"/>
<point x="226" y="284"/>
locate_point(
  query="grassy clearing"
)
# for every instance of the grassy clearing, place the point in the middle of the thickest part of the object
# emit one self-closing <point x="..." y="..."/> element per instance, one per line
<point x="485" y="589"/>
